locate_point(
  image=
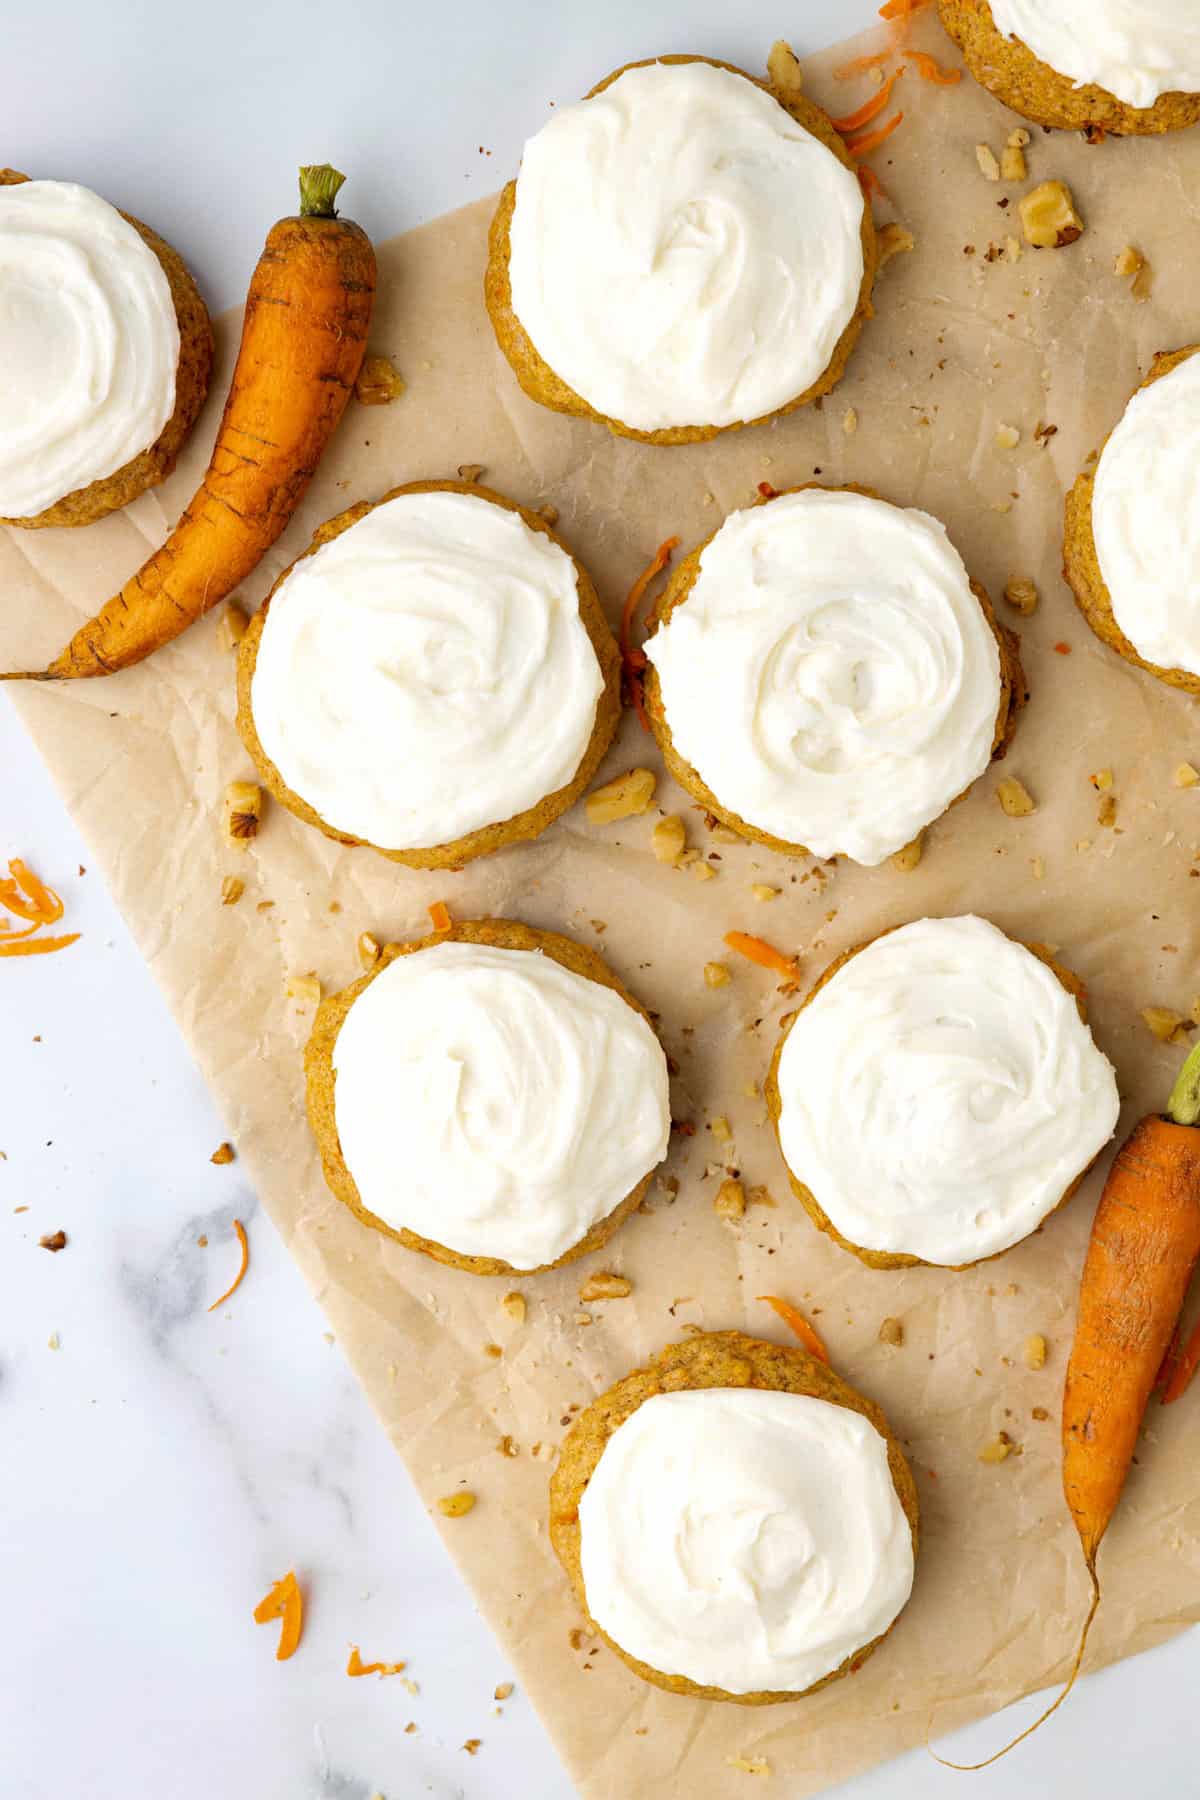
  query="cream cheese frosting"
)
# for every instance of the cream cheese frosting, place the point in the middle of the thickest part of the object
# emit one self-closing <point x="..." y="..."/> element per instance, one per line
<point x="495" y="1102"/>
<point x="1135" y="49"/>
<point x="940" y="1093"/>
<point x="682" y="251"/>
<point x="89" y="344"/>
<point x="831" y="676"/>
<point x="427" y="672"/>
<point x="745" y="1539"/>
<point x="1146" y="519"/>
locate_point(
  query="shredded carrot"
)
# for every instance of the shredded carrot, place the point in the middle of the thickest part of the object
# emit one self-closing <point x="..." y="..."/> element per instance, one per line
<point x="860" y="64"/>
<point x="863" y="146"/>
<point x="439" y="912"/>
<point x="633" y="660"/>
<point x="356" y="1666"/>
<point x="14" y="946"/>
<point x="757" y="950"/>
<point x="870" y="109"/>
<point x="791" y="1315"/>
<point x="283" y="1602"/>
<point x="870" y="183"/>
<point x="237" y="1280"/>
<point x="1183" y="1369"/>
<point x="767" y="491"/>
<point x="930" y="69"/>
<point x="901" y="9"/>
<point x="1062" y="649"/>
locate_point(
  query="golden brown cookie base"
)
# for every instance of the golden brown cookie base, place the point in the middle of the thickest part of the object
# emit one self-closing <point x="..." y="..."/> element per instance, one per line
<point x="716" y="1359"/>
<point x="1081" y="565"/>
<point x="523" y="825"/>
<point x="500" y="934"/>
<point x="1010" y="71"/>
<point x="888" y="1259"/>
<point x="1013" y="691"/>
<point x="146" y="470"/>
<point x="539" y="380"/>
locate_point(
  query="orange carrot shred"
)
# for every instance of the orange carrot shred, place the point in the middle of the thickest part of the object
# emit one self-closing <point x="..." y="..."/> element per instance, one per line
<point x="863" y="146"/>
<point x="901" y="9"/>
<point x="14" y="946"/>
<point x="870" y="109"/>
<point x="283" y="1602"/>
<point x="791" y="1315"/>
<point x="860" y="64"/>
<point x="757" y="950"/>
<point x="1183" y="1370"/>
<point x="439" y="912"/>
<point x="1062" y="649"/>
<point x="930" y="69"/>
<point x="28" y="897"/>
<point x="356" y="1665"/>
<point x="237" y="1280"/>
<point x="870" y="183"/>
<point x="633" y="660"/>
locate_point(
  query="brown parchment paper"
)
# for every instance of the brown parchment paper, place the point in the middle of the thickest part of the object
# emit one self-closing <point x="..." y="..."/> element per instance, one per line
<point x="961" y="344"/>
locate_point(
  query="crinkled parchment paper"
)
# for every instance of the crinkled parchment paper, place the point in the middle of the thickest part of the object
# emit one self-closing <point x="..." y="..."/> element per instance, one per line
<point x="964" y="341"/>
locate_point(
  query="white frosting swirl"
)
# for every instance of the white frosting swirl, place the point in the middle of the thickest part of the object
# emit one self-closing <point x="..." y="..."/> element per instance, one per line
<point x="495" y="1102"/>
<point x="940" y="1094"/>
<point x="89" y="344"/>
<point x="1135" y="49"/>
<point x="746" y="1539"/>
<point x="682" y="251"/>
<point x="427" y="672"/>
<point x="830" y="676"/>
<point x="1146" y="519"/>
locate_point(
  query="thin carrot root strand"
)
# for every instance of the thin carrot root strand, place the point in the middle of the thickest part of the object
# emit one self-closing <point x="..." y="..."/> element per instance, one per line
<point x="972" y="1768"/>
<point x="930" y="69"/>
<point x="285" y="1602"/>
<point x="870" y="109"/>
<point x="633" y="659"/>
<point x="863" y="146"/>
<point x="796" y="1321"/>
<point x="236" y="1283"/>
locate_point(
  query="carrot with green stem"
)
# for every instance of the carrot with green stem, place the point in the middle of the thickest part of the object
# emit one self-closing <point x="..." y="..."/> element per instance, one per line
<point x="1144" y="1250"/>
<point x="303" y="338"/>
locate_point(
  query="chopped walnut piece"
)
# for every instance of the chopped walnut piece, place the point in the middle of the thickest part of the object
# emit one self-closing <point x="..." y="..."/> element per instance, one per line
<point x="1142" y="285"/>
<point x="575" y="1637"/>
<point x="231" y="626"/>
<point x="472" y="1745"/>
<point x="989" y="168"/>
<point x="1021" y="594"/>
<point x="471" y="472"/>
<point x="716" y="975"/>
<point x="606" y="1286"/>
<point x="1007" y="437"/>
<point x="1015" y="798"/>
<point x="621" y="798"/>
<point x="763" y="892"/>
<point x="503" y="1691"/>
<point x="1039" y="1412"/>
<point x="730" y="1200"/>
<point x="668" y="840"/>
<point x="222" y="1154"/>
<point x="232" y="889"/>
<point x="243" y="810"/>
<point x="894" y="240"/>
<point x="1035" y="1351"/>
<point x="1128" y="262"/>
<point x="1012" y="250"/>
<point x="891" y="1331"/>
<point x="1106" y="812"/>
<point x="703" y="871"/>
<point x="507" y="1446"/>
<point x="1186" y="776"/>
<point x="1102" y="780"/>
<point x="998" y="1449"/>
<point x="720" y="1129"/>
<point x="784" y="71"/>
<point x="849" y="421"/>
<point x="304" y="988"/>
<point x="54" y="1240"/>
<point x="1169" y="1027"/>
<point x="379" y="382"/>
<point x="456" y="1506"/>
<point x="514" y="1305"/>
<point x="907" y="859"/>
<point x="369" y="949"/>
<point x="749" y="1765"/>
<point x="759" y="1196"/>
<point x="1048" y="216"/>
<point x="1012" y="158"/>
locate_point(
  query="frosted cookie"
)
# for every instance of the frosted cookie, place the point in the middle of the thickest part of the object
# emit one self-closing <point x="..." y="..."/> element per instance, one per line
<point x="1131" y="551"/>
<point x="826" y="677"/>
<point x="683" y="252"/>
<point x="105" y="354"/>
<point x="938" y="1094"/>
<point x="434" y="677"/>
<point x="491" y="1096"/>
<point x="1125" y="66"/>
<point x="737" y="1522"/>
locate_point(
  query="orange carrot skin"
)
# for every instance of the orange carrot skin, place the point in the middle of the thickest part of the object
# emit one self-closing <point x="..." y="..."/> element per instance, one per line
<point x="303" y="340"/>
<point x="1144" y="1248"/>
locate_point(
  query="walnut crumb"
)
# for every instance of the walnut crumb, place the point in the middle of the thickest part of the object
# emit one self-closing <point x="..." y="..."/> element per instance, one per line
<point x="1007" y="437"/>
<point x="989" y="168"/>
<point x="456" y="1506"/>
<point x="1035" y="1351"/>
<point x="716" y="974"/>
<point x="575" y="1637"/>
<point x="1101" y="780"/>
<point x="514" y="1305"/>
<point x="849" y="421"/>
<point x="1012" y="157"/>
<point x="471" y="472"/>
<point x="760" y="1196"/>
<point x="891" y="1331"/>
<point x="703" y="871"/>
<point x="730" y="1201"/>
<point x="231" y="626"/>
<point x="668" y="840"/>
<point x="232" y="889"/>
<point x="1128" y="261"/>
<point x="749" y="1765"/>
<point x="221" y="1155"/>
<point x="1106" y="812"/>
<point x="1186" y="776"/>
<point x="304" y="988"/>
<point x="369" y="949"/>
<point x="1142" y="285"/>
<point x="494" y="1351"/>
<point x="606" y="1286"/>
<point x="54" y="1240"/>
<point x="720" y="1128"/>
<point x="1168" y="1026"/>
<point x="622" y="798"/>
<point x="894" y="240"/>
<point x="508" y="1446"/>
<point x="379" y="382"/>
<point x="997" y="1449"/>
<point x="763" y="892"/>
<point x="503" y="1691"/>
<point x="243" y="810"/>
<point x="784" y="71"/>
<point x="1048" y="216"/>
<point x="1015" y="798"/>
<point x="549" y="513"/>
<point x="906" y="859"/>
<point x="1039" y="1412"/>
<point x="472" y="1746"/>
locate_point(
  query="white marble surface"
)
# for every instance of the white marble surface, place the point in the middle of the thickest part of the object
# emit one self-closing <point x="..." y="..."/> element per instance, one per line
<point x="163" y="1465"/>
